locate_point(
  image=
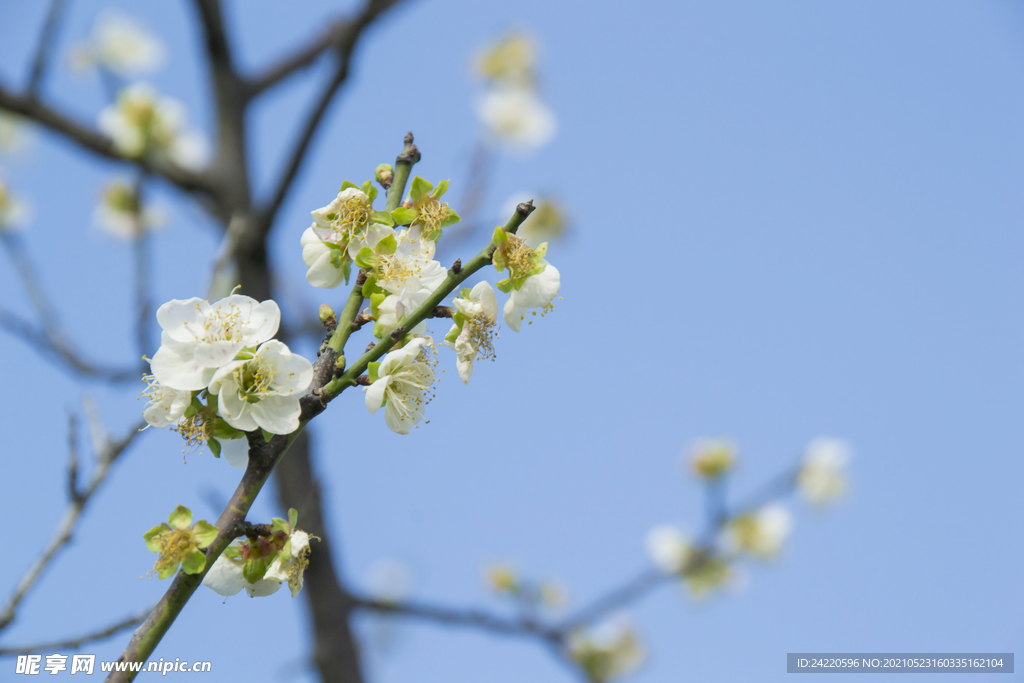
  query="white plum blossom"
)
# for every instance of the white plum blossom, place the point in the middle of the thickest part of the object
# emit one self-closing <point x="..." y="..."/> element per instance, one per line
<point x="509" y="61"/>
<point x="669" y="548"/>
<point x="536" y="292"/>
<point x="165" y="406"/>
<point x="472" y="335"/>
<point x="226" y="578"/>
<point x="13" y="212"/>
<point x="760" y="533"/>
<point x="517" y="117"/>
<point x="821" y="479"/>
<point x="198" y="337"/>
<point x="403" y="378"/>
<point x="606" y="651"/>
<point x="711" y="458"/>
<point x="389" y="580"/>
<point x="120" y="215"/>
<point x="338" y="232"/>
<point x="290" y="570"/>
<point x="120" y="44"/>
<point x="141" y="123"/>
<point x="395" y="307"/>
<point x="413" y="258"/>
<point x="14" y="133"/>
<point x="263" y="392"/>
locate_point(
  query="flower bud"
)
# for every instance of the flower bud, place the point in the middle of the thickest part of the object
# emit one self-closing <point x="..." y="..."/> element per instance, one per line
<point x="384" y="175"/>
<point x="326" y="314"/>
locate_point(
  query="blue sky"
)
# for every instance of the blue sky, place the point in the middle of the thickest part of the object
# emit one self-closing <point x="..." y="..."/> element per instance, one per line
<point x="789" y="219"/>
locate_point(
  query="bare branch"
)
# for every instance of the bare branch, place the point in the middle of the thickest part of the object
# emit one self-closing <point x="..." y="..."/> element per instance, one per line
<point x="46" y="46"/>
<point x="467" y="618"/>
<point x="50" y="341"/>
<point x="104" y="459"/>
<point x="75" y="643"/>
<point x="616" y="598"/>
<point x="344" y="46"/>
<point x="97" y="143"/>
<point x="335" y="37"/>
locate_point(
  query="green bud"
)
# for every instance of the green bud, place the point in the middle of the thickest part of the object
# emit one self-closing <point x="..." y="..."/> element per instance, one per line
<point x="325" y="313"/>
<point x="385" y="175"/>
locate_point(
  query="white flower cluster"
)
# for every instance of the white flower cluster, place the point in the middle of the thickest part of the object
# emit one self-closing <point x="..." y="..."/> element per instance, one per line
<point x="760" y="532"/>
<point x="120" y="45"/>
<point x="143" y="123"/>
<point x="607" y="651"/>
<point x="401" y="274"/>
<point x="120" y="212"/>
<point x="511" y="107"/>
<point x="226" y="350"/>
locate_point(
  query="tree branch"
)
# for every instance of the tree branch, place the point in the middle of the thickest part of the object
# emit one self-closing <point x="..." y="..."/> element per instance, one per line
<point x="344" y="45"/>
<point x="97" y="143"/>
<point x="466" y="618"/>
<point x="105" y="457"/>
<point x="46" y="46"/>
<point x="77" y="642"/>
<point x="50" y="341"/>
<point x="335" y="37"/>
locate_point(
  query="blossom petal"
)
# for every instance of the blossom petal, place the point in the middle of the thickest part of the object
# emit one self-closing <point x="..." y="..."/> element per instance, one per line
<point x="235" y="451"/>
<point x="235" y="410"/>
<point x="262" y="588"/>
<point x="174" y="365"/>
<point x="277" y="414"/>
<point x="225" y="577"/>
<point x="182" y="319"/>
<point x="375" y="394"/>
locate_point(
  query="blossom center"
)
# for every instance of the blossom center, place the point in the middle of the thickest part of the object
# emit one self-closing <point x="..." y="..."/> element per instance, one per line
<point x="482" y="335"/>
<point x="255" y="379"/>
<point x="431" y="214"/>
<point x="350" y="220"/>
<point x="223" y="324"/>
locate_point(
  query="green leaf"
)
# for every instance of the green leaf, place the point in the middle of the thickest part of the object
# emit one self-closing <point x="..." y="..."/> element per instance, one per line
<point x="372" y="370"/>
<point x="214" y="447"/>
<point x="194" y="562"/>
<point x="388" y="245"/>
<point x="232" y="552"/>
<point x="404" y="216"/>
<point x="442" y="187"/>
<point x="376" y="299"/>
<point x="180" y="518"/>
<point x="420" y="189"/>
<point x="542" y="250"/>
<point x="504" y="285"/>
<point x="453" y="334"/>
<point x="499" y="237"/>
<point x="465" y="292"/>
<point x="222" y="430"/>
<point x="499" y="261"/>
<point x="279" y="524"/>
<point x="369" y="190"/>
<point x="267" y="436"/>
<point x="346" y="184"/>
<point x="194" y="407"/>
<point x="253" y="570"/>
<point x="452" y="219"/>
<point x="382" y="217"/>
<point x="293" y="517"/>
<point x="370" y="287"/>
<point x="204" y="532"/>
<point x="166" y="570"/>
<point x="151" y="537"/>
<point x="346" y="269"/>
<point x="366" y="258"/>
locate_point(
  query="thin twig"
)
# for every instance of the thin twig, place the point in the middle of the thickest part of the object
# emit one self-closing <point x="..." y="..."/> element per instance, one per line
<point x="46" y="46"/>
<point x="345" y="44"/>
<point x="75" y="643"/>
<point x="49" y="341"/>
<point x="141" y="258"/>
<point x="104" y="459"/>
<point x="468" y="618"/>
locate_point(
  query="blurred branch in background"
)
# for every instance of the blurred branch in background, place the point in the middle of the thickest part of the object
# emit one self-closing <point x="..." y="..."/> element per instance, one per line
<point x="106" y="452"/>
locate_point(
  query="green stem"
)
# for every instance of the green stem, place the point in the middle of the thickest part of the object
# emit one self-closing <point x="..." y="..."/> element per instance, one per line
<point x="403" y="167"/>
<point x="348" y="315"/>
